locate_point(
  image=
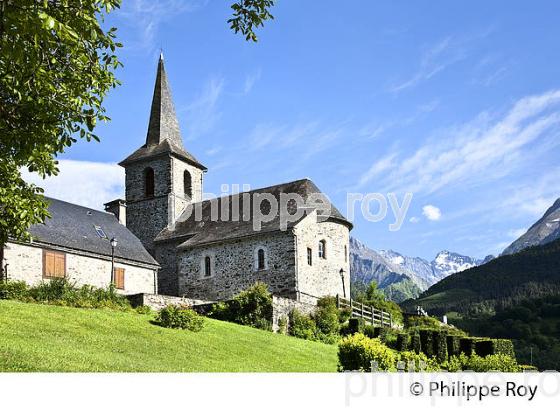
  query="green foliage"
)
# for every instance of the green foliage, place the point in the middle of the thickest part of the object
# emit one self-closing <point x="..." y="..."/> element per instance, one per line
<point x="370" y="331"/>
<point x="302" y="326"/>
<point x="61" y="292"/>
<point x="359" y="352"/>
<point x="467" y="345"/>
<point x="422" y="321"/>
<point x="327" y="317"/>
<point x="57" y="64"/>
<point x="13" y="290"/>
<point x="283" y="325"/>
<point x="356" y="325"/>
<point x="503" y="346"/>
<point x="427" y="342"/>
<point x="417" y="362"/>
<point x="376" y="298"/>
<point x="494" y="362"/>
<point x="252" y="307"/>
<point x="440" y="346"/>
<point x="177" y="317"/>
<point x="453" y="345"/>
<point x="415" y="342"/>
<point x="403" y="342"/>
<point x="401" y="291"/>
<point x="249" y="15"/>
<point x="144" y="310"/>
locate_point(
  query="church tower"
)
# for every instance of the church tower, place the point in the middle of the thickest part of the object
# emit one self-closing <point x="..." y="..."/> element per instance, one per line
<point x="161" y="176"/>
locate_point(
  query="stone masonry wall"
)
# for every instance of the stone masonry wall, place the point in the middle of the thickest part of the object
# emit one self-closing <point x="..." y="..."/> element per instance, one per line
<point x="167" y="256"/>
<point x="26" y="264"/>
<point x="322" y="278"/>
<point x="281" y="308"/>
<point x="178" y="187"/>
<point x="158" y="302"/>
<point x="234" y="267"/>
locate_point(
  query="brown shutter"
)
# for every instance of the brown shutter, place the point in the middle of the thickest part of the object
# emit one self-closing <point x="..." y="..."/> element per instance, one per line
<point x="54" y="264"/>
<point x="119" y="278"/>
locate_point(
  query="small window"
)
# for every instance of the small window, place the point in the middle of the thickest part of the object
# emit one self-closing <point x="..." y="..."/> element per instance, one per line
<point x="345" y="253"/>
<point x="100" y="232"/>
<point x="207" y="266"/>
<point x="119" y="278"/>
<point x="149" y="181"/>
<point x="322" y="249"/>
<point x="261" y="260"/>
<point x="54" y="264"/>
<point x="187" y="184"/>
<point x="309" y="256"/>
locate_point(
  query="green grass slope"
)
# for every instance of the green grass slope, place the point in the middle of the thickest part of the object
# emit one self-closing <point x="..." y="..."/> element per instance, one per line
<point x="41" y="338"/>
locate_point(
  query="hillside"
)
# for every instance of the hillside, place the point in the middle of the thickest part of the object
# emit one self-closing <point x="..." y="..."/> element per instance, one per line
<point x="533" y="272"/>
<point x="59" y="339"/>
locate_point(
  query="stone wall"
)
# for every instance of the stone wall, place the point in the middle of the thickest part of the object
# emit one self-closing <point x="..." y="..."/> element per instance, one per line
<point x="322" y="277"/>
<point x="26" y="264"/>
<point x="234" y="267"/>
<point x="158" y="302"/>
<point x="281" y="308"/>
<point x="166" y="254"/>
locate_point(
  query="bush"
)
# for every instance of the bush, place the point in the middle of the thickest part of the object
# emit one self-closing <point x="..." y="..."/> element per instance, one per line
<point x="453" y="345"/>
<point x="326" y="317"/>
<point x="177" y="317"/>
<point x="427" y="342"/>
<point x="483" y="347"/>
<point x="493" y="362"/>
<point x="355" y="325"/>
<point x="403" y="342"/>
<point x="370" y="331"/>
<point x="440" y="346"/>
<point x="143" y="310"/>
<point x="423" y="321"/>
<point x="503" y="346"/>
<point x="252" y="307"/>
<point x="388" y="336"/>
<point x="467" y="345"/>
<point x="13" y="290"/>
<point x="283" y="325"/>
<point x="302" y="326"/>
<point x="359" y="352"/>
<point x="415" y="342"/>
<point x="416" y="362"/>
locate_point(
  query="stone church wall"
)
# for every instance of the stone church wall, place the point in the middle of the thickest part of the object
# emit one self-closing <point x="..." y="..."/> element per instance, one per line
<point x="234" y="267"/>
<point x="322" y="277"/>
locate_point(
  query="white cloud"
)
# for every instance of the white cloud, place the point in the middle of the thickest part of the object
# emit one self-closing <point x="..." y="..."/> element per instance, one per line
<point x="202" y="114"/>
<point x="250" y="81"/>
<point x="480" y="151"/>
<point x="431" y="212"/>
<point x="85" y="183"/>
<point x="414" y="220"/>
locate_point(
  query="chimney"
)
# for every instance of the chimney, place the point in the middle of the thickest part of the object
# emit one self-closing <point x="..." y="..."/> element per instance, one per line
<point x="118" y="208"/>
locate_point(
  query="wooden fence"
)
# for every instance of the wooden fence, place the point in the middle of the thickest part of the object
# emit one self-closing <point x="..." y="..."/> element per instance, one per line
<point x="370" y="314"/>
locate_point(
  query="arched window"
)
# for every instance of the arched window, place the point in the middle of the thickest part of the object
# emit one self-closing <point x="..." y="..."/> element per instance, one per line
<point x="322" y="249"/>
<point x="260" y="260"/>
<point x="207" y="266"/>
<point x="187" y="184"/>
<point x="148" y="182"/>
<point x="345" y="253"/>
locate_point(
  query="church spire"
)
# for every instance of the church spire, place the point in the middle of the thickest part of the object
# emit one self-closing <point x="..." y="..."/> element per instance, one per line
<point x="163" y="123"/>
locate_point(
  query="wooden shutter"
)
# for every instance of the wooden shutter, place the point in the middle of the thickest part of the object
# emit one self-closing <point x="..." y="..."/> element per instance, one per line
<point x="54" y="264"/>
<point x="119" y="278"/>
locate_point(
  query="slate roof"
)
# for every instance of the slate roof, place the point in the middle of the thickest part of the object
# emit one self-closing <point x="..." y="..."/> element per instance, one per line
<point x="164" y="134"/>
<point x="73" y="226"/>
<point x="195" y="231"/>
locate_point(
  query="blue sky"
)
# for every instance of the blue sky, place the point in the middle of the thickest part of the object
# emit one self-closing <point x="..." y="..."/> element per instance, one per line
<point x="458" y="104"/>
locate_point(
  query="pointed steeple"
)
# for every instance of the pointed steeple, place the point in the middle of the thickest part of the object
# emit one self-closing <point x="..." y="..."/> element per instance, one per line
<point x="163" y="123"/>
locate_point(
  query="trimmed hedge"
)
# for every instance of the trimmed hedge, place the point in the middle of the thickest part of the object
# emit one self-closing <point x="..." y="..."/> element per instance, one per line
<point x="440" y="346"/>
<point x="467" y="345"/>
<point x="403" y="342"/>
<point x="427" y="342"/>
<point x="359" y="352"/>
<point x="415" y="342"/>
<point x="453" y="345"/>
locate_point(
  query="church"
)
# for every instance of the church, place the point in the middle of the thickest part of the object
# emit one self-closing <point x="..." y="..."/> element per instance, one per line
<point x="174" y="242"/>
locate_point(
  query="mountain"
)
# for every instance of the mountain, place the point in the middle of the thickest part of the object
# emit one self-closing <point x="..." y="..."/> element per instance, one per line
<point x="545" y="230"/>
<point x="531" y="273"/>
<point x="401" y="277"/>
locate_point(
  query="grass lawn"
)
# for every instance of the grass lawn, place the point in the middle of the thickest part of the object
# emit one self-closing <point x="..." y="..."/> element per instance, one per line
<point x="42" y="338"/>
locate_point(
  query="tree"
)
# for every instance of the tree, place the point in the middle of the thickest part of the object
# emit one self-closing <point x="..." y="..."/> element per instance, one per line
<point x="57" y="64"/>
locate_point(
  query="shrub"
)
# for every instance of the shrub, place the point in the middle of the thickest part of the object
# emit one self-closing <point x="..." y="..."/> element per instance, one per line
<point x="503" y="346"/>
<point x="388" y="336"/>
<point x="403" y="342"/>
<point x="415" y="342"/>
<point x="177" y="317"/>
<point x="143" y="310"/>
<point x="427" y="342"/>
<point x="370" y="331"/>
<point x="423" y="321"/>
<point x="416" y="362"/>
<point x="326" y="317"/>
<point x="440" y="346"/>
<point x="283" y="325"/>
<point x="453" y="345"/>
<point x="467" y="345"/>
<point x="252" y="307"/>
<point x="493" y="362"/>
<point x="355" y="325"/>
<point x="13" y="290"/>
<point x="359" y="352"/>
<point x="483" y="347"/>
<point x="302" y="326"/>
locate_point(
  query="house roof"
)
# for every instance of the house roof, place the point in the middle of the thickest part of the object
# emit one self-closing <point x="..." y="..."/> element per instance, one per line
<point x="74" y="226"/>
<point x="194" y="231"/>
<point x="164" y="134"/>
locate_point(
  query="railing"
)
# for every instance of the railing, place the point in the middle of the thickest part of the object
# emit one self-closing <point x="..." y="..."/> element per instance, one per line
<point x="375" y="316"/>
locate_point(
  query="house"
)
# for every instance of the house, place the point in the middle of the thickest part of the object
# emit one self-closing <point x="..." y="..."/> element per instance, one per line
<point x="208" y="252"/>
<point x="75" y="244"/>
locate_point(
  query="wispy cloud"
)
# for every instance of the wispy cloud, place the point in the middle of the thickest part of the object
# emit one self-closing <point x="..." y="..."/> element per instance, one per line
<point x="144" y="17"/>
<point x="85" y="183"/>
<point x="250" y="81"/>
<point x="202" y="114"/>
<point x="480" y="151"/>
